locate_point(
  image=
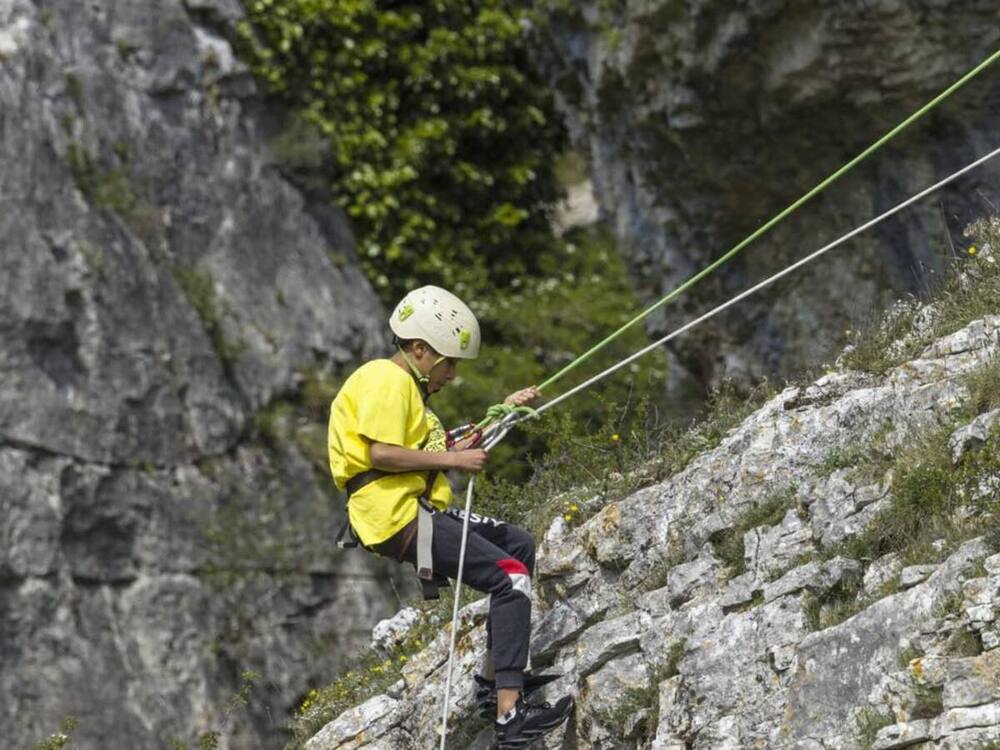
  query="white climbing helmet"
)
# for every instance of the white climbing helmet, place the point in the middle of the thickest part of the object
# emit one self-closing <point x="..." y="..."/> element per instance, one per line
<point x="438" y="317"/>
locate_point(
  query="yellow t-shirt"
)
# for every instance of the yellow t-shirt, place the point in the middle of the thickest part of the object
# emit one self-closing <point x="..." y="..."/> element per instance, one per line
<point x="380" y="403"/>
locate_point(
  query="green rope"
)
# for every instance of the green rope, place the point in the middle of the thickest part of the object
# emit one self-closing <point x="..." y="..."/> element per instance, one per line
<point x="498" y="411"/>
<point x="781" y="216"/>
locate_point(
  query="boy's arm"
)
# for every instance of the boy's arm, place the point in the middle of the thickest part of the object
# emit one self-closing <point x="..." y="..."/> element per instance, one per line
<point x="395" y="458"/>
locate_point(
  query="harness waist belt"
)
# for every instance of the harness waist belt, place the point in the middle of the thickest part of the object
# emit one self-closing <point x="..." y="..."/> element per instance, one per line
<point x="430" y="583"/>
<point x="355" y="483"/>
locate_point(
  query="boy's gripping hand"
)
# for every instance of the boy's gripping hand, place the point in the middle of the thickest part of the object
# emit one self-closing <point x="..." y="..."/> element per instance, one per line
<point x="470" y="460"/>
<point x="523" y="397"/>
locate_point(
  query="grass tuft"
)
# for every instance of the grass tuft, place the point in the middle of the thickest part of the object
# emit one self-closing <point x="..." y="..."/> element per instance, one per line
<point x="199" y="289"/>
<point x="971" y="290"/>
<point x="922" y="521"/>
<point x="728" y="543"/>
<point x="58" y="740"/>
<point x="868" y="722"/>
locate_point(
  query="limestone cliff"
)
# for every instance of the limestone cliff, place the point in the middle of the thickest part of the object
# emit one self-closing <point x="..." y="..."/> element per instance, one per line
<point x="701" y="120"/>
<point x="162" y="286"/>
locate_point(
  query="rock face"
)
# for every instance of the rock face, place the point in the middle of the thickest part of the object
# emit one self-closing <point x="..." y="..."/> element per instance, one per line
<point x="796" y="641"/>
<point x="701" y="120"/>
<point x="161" y="284"/>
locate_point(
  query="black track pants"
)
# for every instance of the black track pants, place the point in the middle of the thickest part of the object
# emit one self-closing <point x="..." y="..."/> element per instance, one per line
<point x="499" y="561"/>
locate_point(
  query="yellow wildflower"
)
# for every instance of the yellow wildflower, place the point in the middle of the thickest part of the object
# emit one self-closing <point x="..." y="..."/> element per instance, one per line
<point x="972" y="250"/>
<point x="568" y="517"/>
<point x="615" y="438"/>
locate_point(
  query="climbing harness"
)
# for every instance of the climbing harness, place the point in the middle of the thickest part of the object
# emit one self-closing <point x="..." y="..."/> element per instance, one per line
<point x="498" y="424"/>
<point x="397" y="545"/>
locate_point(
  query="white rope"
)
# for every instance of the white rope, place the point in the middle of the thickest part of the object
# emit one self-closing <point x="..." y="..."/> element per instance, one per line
<point x="505" y="425"/>
<point x="454" y="614"/>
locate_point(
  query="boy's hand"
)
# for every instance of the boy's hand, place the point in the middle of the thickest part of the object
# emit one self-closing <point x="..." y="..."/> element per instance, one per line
<point x="470" y="460"/>
<point x="523" y="397"/>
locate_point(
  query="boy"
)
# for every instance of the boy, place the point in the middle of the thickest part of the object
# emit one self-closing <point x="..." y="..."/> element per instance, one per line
<point x="389" y="452"/>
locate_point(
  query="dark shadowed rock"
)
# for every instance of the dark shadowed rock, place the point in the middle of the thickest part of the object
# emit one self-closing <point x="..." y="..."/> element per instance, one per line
<point x="702" y="120"/>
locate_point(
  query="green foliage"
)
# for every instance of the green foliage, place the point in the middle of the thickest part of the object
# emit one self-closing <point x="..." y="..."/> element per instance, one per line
<point x="441" y="135"/>
<point x="316" y="393"/>
<point x="634" y="713"/>
<point x="624" y="447"/>
<point x="579" y="472"/>
<point x="927" y="701"/>
<point x="670" y="664"/>
<point x="963" y="643"/>
<point x="74" y="89"/>
<point x="571" y="169"/>
<point x="842" y="458"/>
<point x="907" y="655"/>
<point x="439" y="140"/>
<point x="950" y="606"/>
<point x="60" y="739"/>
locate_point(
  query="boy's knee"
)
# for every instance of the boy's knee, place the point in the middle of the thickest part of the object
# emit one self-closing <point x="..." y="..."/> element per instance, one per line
<point x="524" y="548"/>
<point x="516" y="577"/>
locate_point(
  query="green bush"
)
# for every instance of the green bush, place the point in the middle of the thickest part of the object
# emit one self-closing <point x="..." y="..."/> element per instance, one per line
<point x="442" y="138"/>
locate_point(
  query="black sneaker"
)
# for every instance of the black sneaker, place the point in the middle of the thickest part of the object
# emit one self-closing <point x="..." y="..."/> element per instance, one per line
<point x="486" y="695"/>
<point x="528" y="722"/>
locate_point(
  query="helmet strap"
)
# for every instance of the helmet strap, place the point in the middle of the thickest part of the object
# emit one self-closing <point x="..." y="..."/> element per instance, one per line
<point x="421" y="378"/>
